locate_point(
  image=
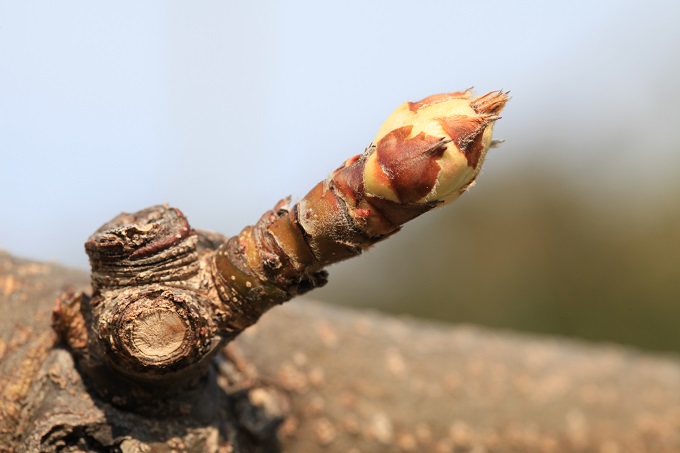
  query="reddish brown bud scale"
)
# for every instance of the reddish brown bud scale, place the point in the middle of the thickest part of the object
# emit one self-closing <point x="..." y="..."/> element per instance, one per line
<point x="288" y="236"/>
<point x="467" y="133"/>
<point x="396" y="213"/>
<point x="409" y="165"/>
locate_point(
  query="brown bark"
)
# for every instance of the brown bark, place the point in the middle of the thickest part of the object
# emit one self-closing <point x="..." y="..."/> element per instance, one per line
<point x="46" y="405"/>
<point x="338" y="380"/>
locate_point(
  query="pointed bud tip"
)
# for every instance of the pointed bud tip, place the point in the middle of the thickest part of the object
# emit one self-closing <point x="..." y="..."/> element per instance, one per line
<point x="491" y="103"/>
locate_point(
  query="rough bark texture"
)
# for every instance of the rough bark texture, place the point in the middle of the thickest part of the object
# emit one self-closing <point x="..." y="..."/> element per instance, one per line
<point x="329" y="379"/>
<point x="45" y="404"/>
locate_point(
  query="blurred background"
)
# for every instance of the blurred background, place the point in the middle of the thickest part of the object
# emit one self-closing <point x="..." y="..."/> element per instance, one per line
<point x="221" y="108"/>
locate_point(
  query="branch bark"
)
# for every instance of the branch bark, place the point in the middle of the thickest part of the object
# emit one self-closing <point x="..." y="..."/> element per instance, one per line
<point x="343" y="380"/>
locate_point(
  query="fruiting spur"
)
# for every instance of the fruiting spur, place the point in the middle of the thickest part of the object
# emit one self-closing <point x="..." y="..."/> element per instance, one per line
<point x="165" y="297"/>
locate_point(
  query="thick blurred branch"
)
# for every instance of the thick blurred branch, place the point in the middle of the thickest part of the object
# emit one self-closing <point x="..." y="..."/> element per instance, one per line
<point x="346" y="380"/>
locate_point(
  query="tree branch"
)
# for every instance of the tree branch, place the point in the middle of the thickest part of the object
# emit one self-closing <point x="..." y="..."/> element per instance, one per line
<point x="344" y="379"/>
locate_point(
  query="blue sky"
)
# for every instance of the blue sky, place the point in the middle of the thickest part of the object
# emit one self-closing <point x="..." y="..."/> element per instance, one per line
<point x="222" y="108"/>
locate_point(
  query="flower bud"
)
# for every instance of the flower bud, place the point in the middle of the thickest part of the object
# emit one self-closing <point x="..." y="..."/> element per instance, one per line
<point x="431" y="151"/>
